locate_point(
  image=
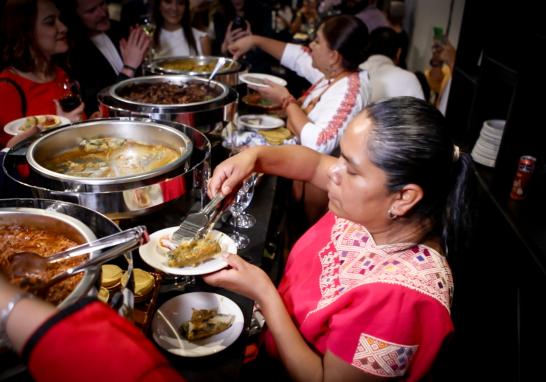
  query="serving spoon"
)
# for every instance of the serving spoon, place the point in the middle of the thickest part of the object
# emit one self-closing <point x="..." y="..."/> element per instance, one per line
<point x="220" y="63"/>
<point x="32" y="268"/>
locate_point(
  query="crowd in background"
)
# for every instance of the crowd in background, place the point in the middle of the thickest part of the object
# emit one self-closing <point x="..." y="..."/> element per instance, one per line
<point x="107" y="41"/>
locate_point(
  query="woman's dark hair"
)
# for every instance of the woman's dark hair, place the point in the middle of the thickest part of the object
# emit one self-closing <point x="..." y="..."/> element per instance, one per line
<point x="347" y="35"/>
<point x="410" y="142"/>
<point x="185" y="23"/>
<point x="17" y="25"/>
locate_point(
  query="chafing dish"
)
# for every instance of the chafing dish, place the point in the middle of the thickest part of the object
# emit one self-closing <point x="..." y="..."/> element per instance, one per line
<point x="203" y="115"/>
<point x="200" y="66"/>
<point x="118" y="197"/>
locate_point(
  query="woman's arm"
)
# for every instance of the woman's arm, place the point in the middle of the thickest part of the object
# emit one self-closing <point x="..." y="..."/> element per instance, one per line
<point x="58" y="345"/>
<point x="301" y="362"/>
<point x="273" y="47"/>
<point x="290" y="161"/>
<point x="26" y="316"/>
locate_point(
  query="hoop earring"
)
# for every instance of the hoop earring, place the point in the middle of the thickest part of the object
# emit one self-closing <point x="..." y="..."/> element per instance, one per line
<point x="391" y="214"/>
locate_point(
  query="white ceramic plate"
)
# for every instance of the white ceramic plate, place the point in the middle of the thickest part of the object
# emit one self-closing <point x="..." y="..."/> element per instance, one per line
<point x="174" y="312"/>
<point x="155" y="256"/>
<point x="259" y="121"/>
<point x="18" y="126"/>
<point x="256" y="79"/>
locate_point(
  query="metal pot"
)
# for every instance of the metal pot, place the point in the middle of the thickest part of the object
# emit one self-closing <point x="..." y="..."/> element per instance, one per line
<point x="78" y="223"/>
<point x="200" y="66"/>
<point x="204" y="115"/>
<point x="119" y="197"/>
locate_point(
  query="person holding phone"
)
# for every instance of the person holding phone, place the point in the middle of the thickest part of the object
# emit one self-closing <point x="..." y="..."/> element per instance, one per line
<point x="234" y="19"/>
<point x="339" y="91"/>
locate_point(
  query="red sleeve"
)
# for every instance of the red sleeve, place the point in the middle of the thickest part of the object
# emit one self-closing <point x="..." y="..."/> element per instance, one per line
<point x="10" y="109"/>
<point x="91" y="342"/>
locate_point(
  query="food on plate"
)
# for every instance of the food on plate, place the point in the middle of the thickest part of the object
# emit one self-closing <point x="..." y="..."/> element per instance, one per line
<point x="205" y="323"/>
<point x="192" y="252"/>
<point x="165" y="93"/>
<point x="110" y="276"/>
<point x="144" y="283"/>
<point x="276" y="136"/>
<point x="41" y="121"/>
<point x="16" y="238"/>
<point x="108" y="157"/>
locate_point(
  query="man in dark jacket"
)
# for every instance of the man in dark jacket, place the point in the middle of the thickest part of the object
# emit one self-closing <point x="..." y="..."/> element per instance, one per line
<point x="101" y="55"/>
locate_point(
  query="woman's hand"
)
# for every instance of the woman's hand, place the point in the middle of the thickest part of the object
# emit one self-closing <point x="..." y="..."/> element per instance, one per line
<point x="73" y="115"/>
<point x="241" y="46"/>
<point x="231" y="172"/>
<point x="134" y="48"/>
<point x="233" y="35"/>
<point x="22" y="136"/>
<point x="242" y="277"/>
<point x="273" y="91"/>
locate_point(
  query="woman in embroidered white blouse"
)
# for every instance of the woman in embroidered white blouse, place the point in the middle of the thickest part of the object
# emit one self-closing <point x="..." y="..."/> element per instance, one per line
<point x="174" y="35"/>
<point x="330" y="63"/>
<point x="366" y="292"/>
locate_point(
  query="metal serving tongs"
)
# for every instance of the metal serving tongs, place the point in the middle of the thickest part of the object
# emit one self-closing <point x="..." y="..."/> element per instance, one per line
<point x="198" y="225"/>
<point x="36" y="279"/>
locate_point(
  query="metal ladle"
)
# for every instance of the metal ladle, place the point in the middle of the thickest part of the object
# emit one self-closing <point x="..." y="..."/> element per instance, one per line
<point x="219" y="64"/>
<point x="32" y="268"/>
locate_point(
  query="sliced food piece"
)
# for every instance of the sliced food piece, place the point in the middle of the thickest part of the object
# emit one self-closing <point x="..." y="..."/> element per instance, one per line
<point x="205" y="323"/>
<point x="193" y="252"/>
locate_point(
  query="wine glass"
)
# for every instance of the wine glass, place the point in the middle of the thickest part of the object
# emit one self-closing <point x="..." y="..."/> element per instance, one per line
<point x="148" y="26"/>
<point x="71" y="97"/>
<point x="245" y="220"/>
<point x="240" y="203"/>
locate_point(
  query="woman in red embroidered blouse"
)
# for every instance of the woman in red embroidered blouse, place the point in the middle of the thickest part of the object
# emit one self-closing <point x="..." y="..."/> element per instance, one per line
<point x="366" y="292"/>
<point x="32" y="35"/>
<point x="330" y="63"/>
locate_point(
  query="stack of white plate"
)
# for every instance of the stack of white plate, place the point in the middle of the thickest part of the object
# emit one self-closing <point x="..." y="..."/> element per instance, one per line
<point x="487" y="146"/>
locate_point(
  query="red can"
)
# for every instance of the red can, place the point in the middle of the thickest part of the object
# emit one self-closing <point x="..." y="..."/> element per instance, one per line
<point x="526" y="167"/>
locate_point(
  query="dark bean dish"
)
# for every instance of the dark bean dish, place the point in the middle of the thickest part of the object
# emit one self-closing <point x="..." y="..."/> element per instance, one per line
<point x="165" y="93"/>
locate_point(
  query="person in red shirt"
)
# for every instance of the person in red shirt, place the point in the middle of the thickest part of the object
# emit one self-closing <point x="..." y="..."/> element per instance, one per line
<point x="58" y="345"/>
<point x="366" y="292"/>
<point x="32" y="38"/>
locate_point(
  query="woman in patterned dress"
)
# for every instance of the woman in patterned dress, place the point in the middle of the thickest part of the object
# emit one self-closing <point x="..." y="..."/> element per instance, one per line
<point x="367" y="290"/>
<point x="330" y="63"/>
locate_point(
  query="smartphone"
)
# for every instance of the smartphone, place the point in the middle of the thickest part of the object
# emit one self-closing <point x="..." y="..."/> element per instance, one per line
<point x="238" y="23"/>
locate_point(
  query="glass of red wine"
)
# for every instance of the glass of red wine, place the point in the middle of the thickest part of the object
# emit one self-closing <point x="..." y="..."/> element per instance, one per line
<point x="71" y="98"/>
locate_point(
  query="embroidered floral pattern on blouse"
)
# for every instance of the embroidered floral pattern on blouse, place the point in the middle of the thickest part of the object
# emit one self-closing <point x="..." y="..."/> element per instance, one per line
<point x="381" y="358"/>
<point x="351" y="258"/>
<point x="343" y="112"/>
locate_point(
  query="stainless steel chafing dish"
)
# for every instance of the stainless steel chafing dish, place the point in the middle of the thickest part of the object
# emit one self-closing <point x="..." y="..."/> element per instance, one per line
<point x="118" y="197"/>
<point x="203" y="115"/>
<point x="78" y="223"/>
<point x="200" y="66"/>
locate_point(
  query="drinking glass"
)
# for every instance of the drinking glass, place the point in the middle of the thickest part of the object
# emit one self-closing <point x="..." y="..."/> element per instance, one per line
<point x="148" y="27"/>
<point x="245" y="220"/>
<point x="71" y="97"/>
<point x="240" y="203"/>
